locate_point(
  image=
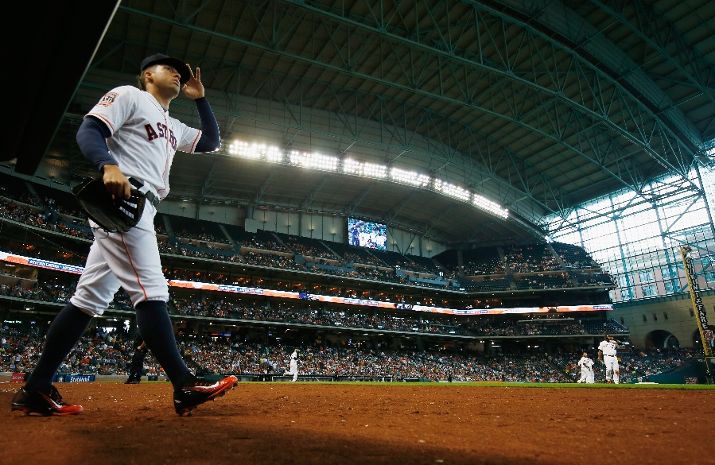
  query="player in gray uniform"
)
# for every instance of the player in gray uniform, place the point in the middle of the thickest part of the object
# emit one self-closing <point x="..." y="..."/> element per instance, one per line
<point x="130" y="134"/>
<point x="607" y="354"/>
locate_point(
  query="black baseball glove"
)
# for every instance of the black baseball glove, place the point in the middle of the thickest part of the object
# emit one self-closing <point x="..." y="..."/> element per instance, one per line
<point x="112" y="215"/>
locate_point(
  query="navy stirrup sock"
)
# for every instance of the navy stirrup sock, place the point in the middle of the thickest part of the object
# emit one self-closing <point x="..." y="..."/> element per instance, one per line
<point x="62" y="335"/>
<point x="155" y="327"/>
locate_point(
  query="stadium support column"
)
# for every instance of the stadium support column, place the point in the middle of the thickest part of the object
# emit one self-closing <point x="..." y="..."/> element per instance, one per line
<point x="701" y="318"/>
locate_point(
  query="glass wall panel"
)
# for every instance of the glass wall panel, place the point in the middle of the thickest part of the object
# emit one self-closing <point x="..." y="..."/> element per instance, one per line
<point x="636" y="237"/>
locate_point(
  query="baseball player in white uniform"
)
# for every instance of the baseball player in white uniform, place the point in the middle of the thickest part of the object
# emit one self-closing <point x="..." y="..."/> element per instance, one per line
<point x="607" y="354"/>
<point x="293" y="366"/>
<point x="130" y="133"/>
<point x="586" y="365"/>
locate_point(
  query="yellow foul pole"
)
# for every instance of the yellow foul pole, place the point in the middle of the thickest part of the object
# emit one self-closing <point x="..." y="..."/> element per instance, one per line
<point x="706" y="334"/>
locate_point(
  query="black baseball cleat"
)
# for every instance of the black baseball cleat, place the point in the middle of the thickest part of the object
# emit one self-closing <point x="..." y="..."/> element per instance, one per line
<point x="199" y="390"/>
<point x="43" y="403"/>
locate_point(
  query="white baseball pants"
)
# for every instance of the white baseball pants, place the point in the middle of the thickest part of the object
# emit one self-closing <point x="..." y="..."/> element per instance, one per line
<point x="130" y="260"/>
<point x="292" y="370"/>
<point x="612" y="369"/>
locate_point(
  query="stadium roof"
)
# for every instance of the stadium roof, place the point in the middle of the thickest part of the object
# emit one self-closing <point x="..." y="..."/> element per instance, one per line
<point x="537" y="105"/>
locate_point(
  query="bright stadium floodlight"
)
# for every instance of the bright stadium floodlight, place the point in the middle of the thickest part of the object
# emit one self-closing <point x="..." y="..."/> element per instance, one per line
<point x="313" y="160"/>
<point x="411" y="178"/>
<point x="274" y="154"/>
<point x="374" y="170"/>
<point x="260" y="149"/>
<point x="370" y="170"/>
<point x="298" y="158"/>
<point x="351" y="166"/>
<point x="490" y="206"/>
<point x="244" y="150"/>
<point x="256" y="151"/>
<point x="452" y="190"/>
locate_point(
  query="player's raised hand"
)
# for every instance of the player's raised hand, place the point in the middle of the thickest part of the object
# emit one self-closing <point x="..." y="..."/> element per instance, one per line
<point x="194" y="88"/>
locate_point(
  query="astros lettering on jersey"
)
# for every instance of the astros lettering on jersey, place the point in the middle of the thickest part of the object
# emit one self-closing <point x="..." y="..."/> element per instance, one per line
<point x="146" y="144"/>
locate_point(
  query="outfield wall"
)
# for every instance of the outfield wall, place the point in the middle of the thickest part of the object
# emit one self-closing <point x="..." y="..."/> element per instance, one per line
<point x="673" y="314"/>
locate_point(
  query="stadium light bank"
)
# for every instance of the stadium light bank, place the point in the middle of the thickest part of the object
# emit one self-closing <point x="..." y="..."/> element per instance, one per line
<point x="349" y="166"/>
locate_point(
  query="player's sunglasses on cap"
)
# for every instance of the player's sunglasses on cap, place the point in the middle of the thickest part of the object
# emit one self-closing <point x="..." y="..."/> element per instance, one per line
<point x="161" y="59"/>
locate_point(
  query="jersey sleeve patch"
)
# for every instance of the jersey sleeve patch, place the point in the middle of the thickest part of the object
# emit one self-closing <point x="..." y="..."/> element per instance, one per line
<point x="108" y="99"/>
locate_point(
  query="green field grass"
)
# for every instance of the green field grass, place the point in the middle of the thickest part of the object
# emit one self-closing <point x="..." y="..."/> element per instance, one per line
<point x="506" y="385"/>
<point x="496" y="384"/>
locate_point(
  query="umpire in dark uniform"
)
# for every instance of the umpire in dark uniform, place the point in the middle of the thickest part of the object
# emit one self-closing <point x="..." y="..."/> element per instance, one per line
<point x="136" y="367"/>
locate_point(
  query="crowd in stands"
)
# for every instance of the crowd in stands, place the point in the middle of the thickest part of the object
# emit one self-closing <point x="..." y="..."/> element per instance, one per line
<point x="542" y="281"/>
<point x="573" y="256"/>
<point x="528" y="267"/>
<point x="482" y="262"/>
<point x="593" y="279"/>
<point x="109" y="352"/>
<point x="25" y="214"/>
<point x="487" y="285"/>
<point x="263" y="240"/>
<point x="316" y="313"/>
<point x="531" y="258"/>
<point x="56" y="290"/>
<point x="352" y="254"/>
<point x="636" y="365"/>
<point x="201" y="237"/>
<point x="221" y="305"/>
<point x="193" y="230"/>
<point x="307" y="247"/>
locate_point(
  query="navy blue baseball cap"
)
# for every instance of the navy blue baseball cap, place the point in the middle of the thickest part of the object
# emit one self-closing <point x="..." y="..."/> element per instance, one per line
<point x="161" y="59"/>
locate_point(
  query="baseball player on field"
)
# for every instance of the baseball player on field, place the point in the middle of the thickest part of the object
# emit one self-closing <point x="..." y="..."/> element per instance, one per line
<point x="607" y="355"/>
<point x="293" y="366"/>
<point x="586" y="365"/>
<point x="130" y="134"/>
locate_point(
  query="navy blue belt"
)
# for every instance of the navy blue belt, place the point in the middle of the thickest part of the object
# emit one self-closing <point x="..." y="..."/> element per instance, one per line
<point x="150" y="196"/>
<point x="153" y="199"/>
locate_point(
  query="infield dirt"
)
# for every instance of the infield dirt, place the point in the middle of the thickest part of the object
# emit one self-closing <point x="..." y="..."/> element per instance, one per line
<point x="312" y="423"/>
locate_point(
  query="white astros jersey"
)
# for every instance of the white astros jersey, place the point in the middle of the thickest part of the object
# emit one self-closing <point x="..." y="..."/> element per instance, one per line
<point x="294" y="359"/>
<point x="144" y="139"/>
<point x="585" y="363"/>
<point x="147" y="137"/>
<point x="293" y="365"/>
<point x="608" y="348"/>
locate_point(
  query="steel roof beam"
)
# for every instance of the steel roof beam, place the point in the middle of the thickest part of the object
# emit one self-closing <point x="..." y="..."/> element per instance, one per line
<point x="590" y="75"/>
<point x="662" y="37"/>
<point x="258" y="198"/>
<point x="387" y="83"/>
<point x="316" y="190"/>
<point x="352" y="208"/>
<point x="395" y="211"/>
<point x="555" y="22"/>
<point x="209" y="177"/>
